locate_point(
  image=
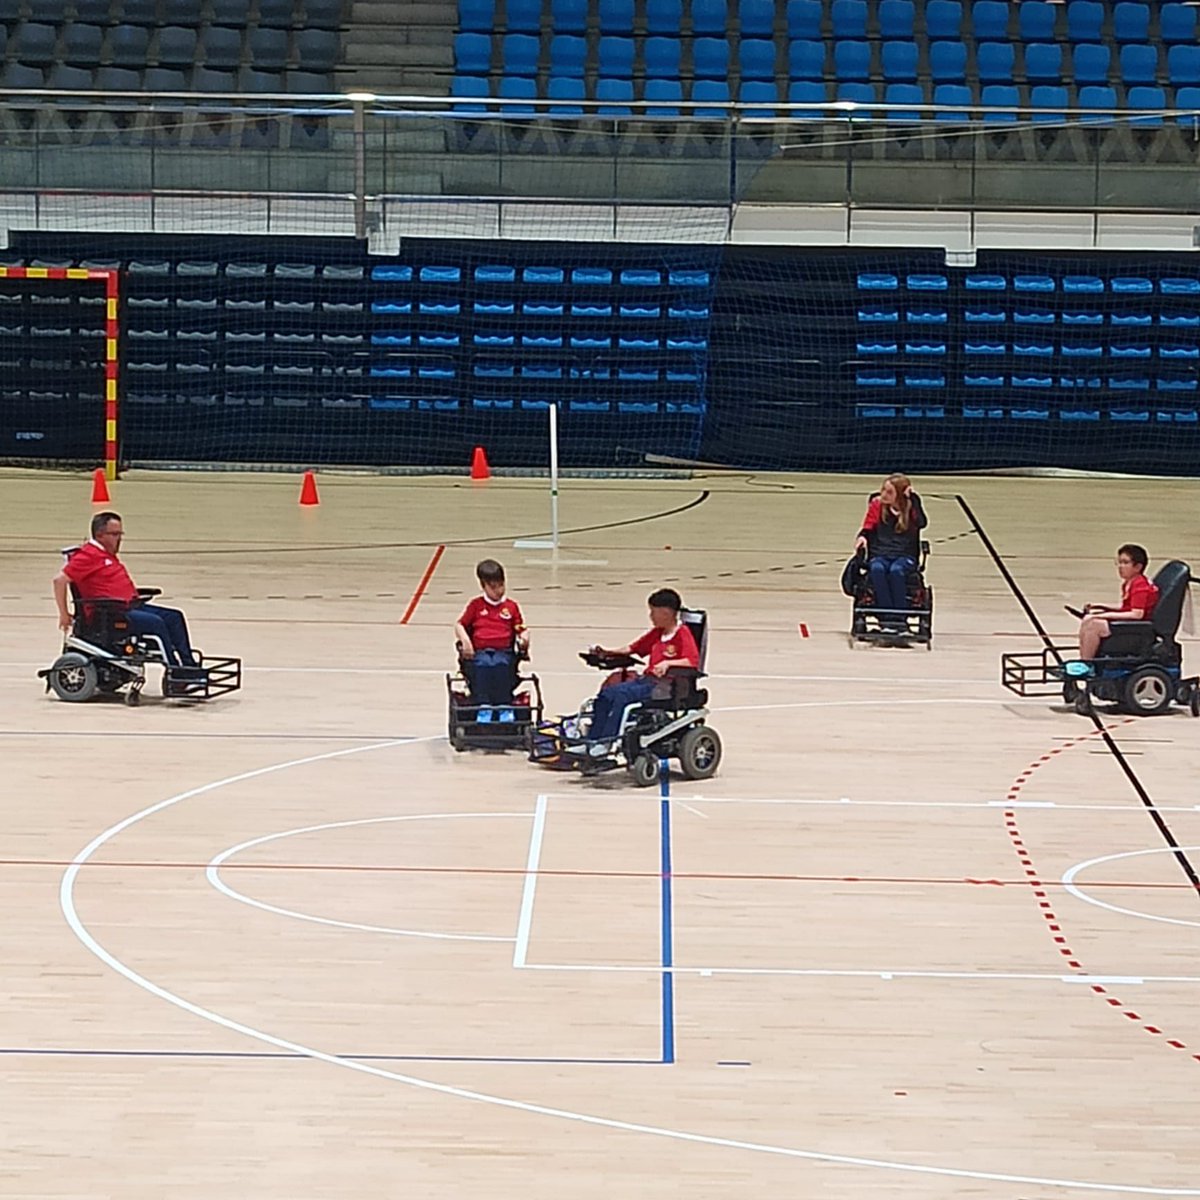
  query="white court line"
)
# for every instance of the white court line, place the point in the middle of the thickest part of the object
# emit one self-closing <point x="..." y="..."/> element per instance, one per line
<point x="88" y="941"/>
<point x="525" y="920"/>
<point x="731" y="708"/>
<point x="690" y="809"/>
<point x="1068" y="881"/>
<point x="835" y="973"/>
<point x="212" y="874"/>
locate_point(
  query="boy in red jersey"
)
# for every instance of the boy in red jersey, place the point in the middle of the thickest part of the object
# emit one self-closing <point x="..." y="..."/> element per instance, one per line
<point x="668" y="644"/>
<point x="491" y="632"/>
<point x="1138" y="598"/>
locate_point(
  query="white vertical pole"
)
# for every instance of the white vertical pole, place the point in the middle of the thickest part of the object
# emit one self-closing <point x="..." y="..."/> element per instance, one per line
<point x="554" y="475"/>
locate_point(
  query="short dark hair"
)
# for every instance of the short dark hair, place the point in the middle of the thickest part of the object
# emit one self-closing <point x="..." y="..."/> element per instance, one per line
<point x="666" y="598"/>
<point x="101" y="519"/>
<point x="489" y="571"/>
<point x="1135" y="552"/>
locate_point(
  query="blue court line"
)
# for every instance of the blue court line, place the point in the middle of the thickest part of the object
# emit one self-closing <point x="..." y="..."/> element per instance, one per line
<point x="668" y="947"/>
<point x="46" y="1052"/>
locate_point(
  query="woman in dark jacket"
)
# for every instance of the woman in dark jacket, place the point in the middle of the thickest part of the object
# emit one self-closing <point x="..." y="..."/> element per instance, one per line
<point x="891" y="533"/>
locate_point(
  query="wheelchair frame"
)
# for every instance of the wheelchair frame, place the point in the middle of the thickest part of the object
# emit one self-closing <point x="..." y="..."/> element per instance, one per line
<point x="464" y="730"/>
<point x="868" y="621"/>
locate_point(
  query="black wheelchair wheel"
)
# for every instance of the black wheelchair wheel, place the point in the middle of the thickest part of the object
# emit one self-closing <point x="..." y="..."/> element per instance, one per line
<point x="73" y="678"/>
<point x="1194" y="701"/>
<point x="644" y="769"/>
<point x="1147" y="691"/>
<point x="1083" y="702"/>
<point x="1070" y="691"/>
<point x="700" y="752"/>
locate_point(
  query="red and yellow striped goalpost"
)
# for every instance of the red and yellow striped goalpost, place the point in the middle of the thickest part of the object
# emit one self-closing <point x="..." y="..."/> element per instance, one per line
<point x="110" y="279"/>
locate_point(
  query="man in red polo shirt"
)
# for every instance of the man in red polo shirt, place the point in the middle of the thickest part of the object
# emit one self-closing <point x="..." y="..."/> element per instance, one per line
<point x="99" y="574"/>
<point x="1138" y="598"/>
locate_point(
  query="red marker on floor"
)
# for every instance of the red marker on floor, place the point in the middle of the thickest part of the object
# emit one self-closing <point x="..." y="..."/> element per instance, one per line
<point x="803" y="630"/>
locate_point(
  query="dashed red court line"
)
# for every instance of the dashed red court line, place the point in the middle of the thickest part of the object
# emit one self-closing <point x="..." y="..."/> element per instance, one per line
<point x="1039" y="888"/>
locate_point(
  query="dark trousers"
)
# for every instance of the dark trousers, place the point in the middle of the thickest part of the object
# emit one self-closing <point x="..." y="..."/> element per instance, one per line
<point x="611" y="702"/>
<point x="889" y="581"/>
<point x="169" y="625"/>
<point x="491" y="677"/>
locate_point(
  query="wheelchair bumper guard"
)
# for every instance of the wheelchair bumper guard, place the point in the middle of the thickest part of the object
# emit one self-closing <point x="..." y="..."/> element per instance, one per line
<point x="1036" y="672"/>
<point x="211" y="677"/>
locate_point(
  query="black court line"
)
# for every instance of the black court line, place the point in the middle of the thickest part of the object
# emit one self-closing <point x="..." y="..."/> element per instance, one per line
<point x="1177" y="851"/>
<point x="50" y="1052"/>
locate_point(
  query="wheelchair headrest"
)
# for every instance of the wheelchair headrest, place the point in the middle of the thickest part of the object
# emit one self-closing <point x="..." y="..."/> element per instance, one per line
<point x="696" y="619"/>
<point x="1172" y="581"/>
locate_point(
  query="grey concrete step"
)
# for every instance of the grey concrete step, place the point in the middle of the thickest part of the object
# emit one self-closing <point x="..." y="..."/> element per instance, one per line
<point x="390" y="81"/>
<point x="401" y="14"/>
<point x="382" y="54"/>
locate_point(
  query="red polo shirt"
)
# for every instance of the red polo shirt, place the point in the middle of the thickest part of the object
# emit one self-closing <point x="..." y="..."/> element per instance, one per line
<point x="675" y="647"/>
<point x="99" y="575"/>
<point x="492" y="624"/>
<point x="1138" y="592"/>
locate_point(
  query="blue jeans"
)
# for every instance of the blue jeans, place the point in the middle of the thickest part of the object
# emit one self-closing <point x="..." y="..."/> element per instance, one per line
<point x="889" y="581"/>
<point x="167" y="624"/>
<point x="610" y="704"/>
<point x="490" y="673"/>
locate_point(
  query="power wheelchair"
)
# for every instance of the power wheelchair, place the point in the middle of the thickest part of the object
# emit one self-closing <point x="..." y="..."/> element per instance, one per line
<point x="1139" y="666"/>
<point x="671" y="724"/>
<point x="103" y="655"/>
<point x="888" y="626"/>
<point x="463" y="726"/>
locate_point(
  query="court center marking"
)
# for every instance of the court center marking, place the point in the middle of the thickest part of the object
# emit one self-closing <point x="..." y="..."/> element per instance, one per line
<point x="212" y="873"/>
<point x="85" y="937"/>
<point x="529" y="888"/>
<point x="1069" y="876"/>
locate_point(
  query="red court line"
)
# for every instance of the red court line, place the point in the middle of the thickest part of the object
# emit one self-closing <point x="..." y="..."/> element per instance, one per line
<point x="416" y="598"/>
<point x="573" y="873"/>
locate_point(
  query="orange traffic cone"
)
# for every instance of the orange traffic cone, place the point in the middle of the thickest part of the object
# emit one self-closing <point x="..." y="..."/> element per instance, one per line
<point x="308" y="489"/>
<point x="479" y="465"/>
<point x="99" y="487"/>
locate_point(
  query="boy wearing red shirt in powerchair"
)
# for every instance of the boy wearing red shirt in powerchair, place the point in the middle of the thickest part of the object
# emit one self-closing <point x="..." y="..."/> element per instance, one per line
<point x="492" y="637"/>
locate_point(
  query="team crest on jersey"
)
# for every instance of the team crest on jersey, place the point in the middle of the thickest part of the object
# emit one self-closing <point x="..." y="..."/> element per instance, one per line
<point x="505" y="614"/>
<point x="669" y="650"/>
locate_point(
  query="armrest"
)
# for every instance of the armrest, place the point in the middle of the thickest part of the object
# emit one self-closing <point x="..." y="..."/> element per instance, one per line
<point x="146" y="593"/>
<point x="609" y="662"/>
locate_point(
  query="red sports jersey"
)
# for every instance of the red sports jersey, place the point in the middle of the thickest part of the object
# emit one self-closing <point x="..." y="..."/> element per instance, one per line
<point x="492" y="624"/>
<point x="679" y="646"/>
<point x="1139" y="592"/>
<point x="99" y="575"/>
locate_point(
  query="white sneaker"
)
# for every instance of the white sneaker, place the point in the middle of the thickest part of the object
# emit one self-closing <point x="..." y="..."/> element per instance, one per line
<point x="601" y="749"/>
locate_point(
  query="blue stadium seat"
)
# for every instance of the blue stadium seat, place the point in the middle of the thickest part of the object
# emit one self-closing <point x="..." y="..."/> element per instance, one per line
<point x="177" y="47"/>
<point x="756" y="18"/>
<point x="952" y="95"/>
<point x="267" y="50"/>
<point x="523" y="16"/>
<point x="108" y="79"/>
<point x="758" y="91"/>
<point x="81" y="45"/>
<point x="1090" y="64"/>
<point x="1146" y="99"/>
<point x="943" y="19"/>
<point x="64" y="78"/>
<point x="710" y="91"/>
<point x="1085" y="21"/>
<point x="1035" y="21"/>
<point x="757" y="58"/>
<point x="709" y="17"/>
<point x="139" y="12"/>
<point x="1183" y="65"/>
<point x="204" y="79"/>
<point x="898" y="95"/>
<point x="567" y="89"/>
<point x="1177" y="23"/>
<point x="999" y="96"/>
<point x="852" y="60"/>
<point x="661" y="57"/>
<point x="994" y="62"/>
<point x="710" y="58"/>
<point x="664" y="16"/>
<point x="472" y="53"/>
<point x="617" y="95"/>
<point x="896" y="19"/>
<point x="476" y="16"/>
<point x="543" y="275"/>
<point x="1131" y="21"/>
<point x="234" y="13"/>
<point x="323" y="14"/>
<point x="276" y="14"/>
<point x="804" y="19"/>
<point x="862" y="94"/>
<point x="1043" y="61"/>
<point x="569" y="16"/>
<point x="568" y="55"/>
<point x="947" y="62"/>
<point x="989" y="20"/>
<point x="520" y="55"/>
<point x="1139" y="64"/>
<point x="514" y="87"/>
<point x="668" y="90"/>
<point x="34" y="44"/>
<point x="806" y="60"/>
<point x="808" y="92"/>
<point x="849" y="19"/>
<point x="1103" y="102"/>
<point x="899" y="61"/>
<point x="95" y="12"/>
<point x="616" y="16"/>
<point x="469" y="87"/>
<point x="1187" y="100"/>
<point x="309" y="83"/>
<point x="316" y="49"/>
<point x="222" y="47"/>
<point x="615" y="57"/>
<point x="1049" y="103"/>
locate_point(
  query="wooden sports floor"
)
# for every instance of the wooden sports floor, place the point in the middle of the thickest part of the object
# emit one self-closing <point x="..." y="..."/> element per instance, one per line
<point x="918" y="938"/>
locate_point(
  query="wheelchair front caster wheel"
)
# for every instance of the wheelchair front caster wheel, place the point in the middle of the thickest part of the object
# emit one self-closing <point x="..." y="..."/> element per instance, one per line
<point x="133" y="698"/>
<point x="644" y="770"/>
<point x="1083" y="703"/>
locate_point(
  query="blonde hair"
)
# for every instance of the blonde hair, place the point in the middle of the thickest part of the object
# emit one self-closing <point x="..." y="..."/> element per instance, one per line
<point x="903" y="502"/>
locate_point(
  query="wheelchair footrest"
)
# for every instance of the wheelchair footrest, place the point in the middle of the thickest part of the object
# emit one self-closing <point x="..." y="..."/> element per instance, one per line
<point x="212" y="677"/>
<point x="1036" y="672"/>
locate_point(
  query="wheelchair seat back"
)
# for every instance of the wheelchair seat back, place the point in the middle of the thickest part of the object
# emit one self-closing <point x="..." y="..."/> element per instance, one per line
<point x="696" y="619"/>
<point x="1172" y="580"/>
